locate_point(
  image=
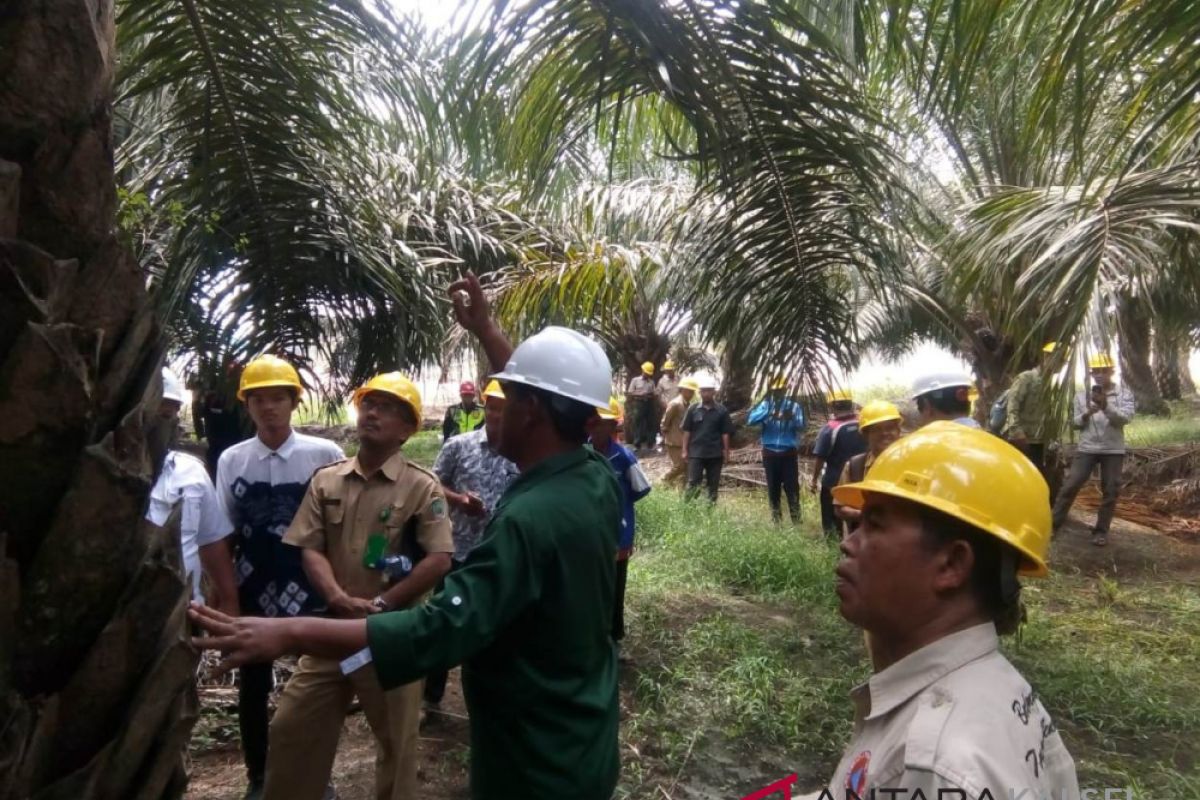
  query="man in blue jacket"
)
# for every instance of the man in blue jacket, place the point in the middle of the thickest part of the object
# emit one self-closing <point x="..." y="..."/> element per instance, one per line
<point x="782" y="420"/>
<point x="634" y="486"/>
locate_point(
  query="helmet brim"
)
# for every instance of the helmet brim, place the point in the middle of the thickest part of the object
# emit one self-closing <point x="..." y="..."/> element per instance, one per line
<point x="853" y="495"/>
<point x="269" y="384"/>
<point x="514" y="377"/>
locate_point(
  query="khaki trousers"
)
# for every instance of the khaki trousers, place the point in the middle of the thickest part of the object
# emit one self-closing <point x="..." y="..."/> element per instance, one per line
<point x="675" y="476"/>
<point x="305" y="730"/>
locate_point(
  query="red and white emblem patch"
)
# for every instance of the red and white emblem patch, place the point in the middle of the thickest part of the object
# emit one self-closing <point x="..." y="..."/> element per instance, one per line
<point x="856" y="777"/>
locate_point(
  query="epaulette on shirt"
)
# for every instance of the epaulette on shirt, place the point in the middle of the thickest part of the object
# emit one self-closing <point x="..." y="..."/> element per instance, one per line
<point x="330" y="465"/>
<point x="428" y="472"/>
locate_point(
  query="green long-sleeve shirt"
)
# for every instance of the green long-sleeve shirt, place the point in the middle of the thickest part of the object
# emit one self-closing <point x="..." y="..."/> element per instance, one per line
<point x="1026" y="410"/>
<point x="529" y="616"/>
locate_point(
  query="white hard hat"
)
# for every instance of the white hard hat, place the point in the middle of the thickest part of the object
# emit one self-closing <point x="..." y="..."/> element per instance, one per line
<point x="563" y="362"/>
<point x="939" y="380"/>
<point x="707" y="382"/>
<point x="172" y="386"/>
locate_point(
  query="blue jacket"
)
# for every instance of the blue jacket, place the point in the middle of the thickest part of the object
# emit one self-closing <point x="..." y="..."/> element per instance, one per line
<point x="623" y="461"/>
<point x="780" y="433"/>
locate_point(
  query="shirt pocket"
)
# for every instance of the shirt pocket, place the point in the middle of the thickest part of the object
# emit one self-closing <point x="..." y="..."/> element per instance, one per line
<point x="332" y="516"/>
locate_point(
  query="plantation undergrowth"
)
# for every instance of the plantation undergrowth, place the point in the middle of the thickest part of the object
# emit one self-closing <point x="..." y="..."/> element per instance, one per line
<point x="742" y="666"/>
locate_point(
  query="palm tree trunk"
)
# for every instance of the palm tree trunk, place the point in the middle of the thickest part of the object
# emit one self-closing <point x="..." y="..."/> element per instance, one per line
<point x="1187" y="386"/>
<point x="1167" y="347"/>
<point x="96" y="675"/>
<point x="1134" y="324"/>
<point x="737" y="384"/>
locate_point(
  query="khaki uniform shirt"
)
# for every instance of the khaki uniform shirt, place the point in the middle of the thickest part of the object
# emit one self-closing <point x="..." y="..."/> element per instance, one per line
<point x="343" y="508"/>
<point x="666" y="389"/>
<point x="954" y="716"/>
<point x="672" y="419"/>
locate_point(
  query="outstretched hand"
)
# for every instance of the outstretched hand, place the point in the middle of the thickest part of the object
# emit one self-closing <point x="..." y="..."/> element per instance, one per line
<point x="471" y="307"/>
<point x="240" y="640"/>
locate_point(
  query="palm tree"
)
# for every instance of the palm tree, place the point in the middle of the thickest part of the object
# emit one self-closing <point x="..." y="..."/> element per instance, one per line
<point x="96" y="674"/>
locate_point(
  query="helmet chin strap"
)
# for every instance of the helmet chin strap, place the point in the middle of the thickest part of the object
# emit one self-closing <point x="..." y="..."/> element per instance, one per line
<point x="1010" y="587"/>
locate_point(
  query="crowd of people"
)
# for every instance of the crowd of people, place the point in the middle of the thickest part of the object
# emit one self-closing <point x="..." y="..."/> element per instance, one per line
<point x="510" y="558"/>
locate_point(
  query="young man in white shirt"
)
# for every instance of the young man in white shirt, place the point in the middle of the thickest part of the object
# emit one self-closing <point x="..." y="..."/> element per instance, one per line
<point x="203" y="525"/>
<point x="260" y="483"/>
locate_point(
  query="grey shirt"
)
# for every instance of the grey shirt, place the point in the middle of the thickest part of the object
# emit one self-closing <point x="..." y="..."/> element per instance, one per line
<point x="1103" y="432"/>
<point x="956" y="717"/>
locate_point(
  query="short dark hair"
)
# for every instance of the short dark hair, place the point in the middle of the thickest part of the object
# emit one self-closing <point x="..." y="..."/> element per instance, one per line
<point x="569" y="417"/>
<point x="993" y="578"/>
<point x="842" y="405"/>
<point x="949" y="400"/>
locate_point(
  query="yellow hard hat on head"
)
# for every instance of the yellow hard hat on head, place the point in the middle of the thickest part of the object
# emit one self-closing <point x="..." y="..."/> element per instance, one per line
<point x="840" y="396"/>
<point x="493" y="390"/>
<point x="612" y="412"/>
<point x="877" y="411"/>
<point x="1101" y="361"/>
<point x="668" y="366"/>
<point x="397" y="385"/>
<point x="648" y="368"/>
<point x="689" y="384"/>
<point x="1049" y="347"/>
<point x="265" y="372"/>
<point x="779" y="382"/>
<point x="970" y="475"/>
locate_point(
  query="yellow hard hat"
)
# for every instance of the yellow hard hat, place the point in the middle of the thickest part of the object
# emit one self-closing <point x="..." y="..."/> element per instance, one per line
<point x="668" y="365"/>
<point x="397" y="385"/>
<point x="612" y="412"/>
<point x="689" y="384"/>
<point x="972" y="476"/>
<point x="1049" y="347"/>
<point x="877" y="411"/>
<point x="840" y="396"/>
<point x="779" y="382"/>
<point x="493" y="390"/>
<point x="648" y="368"/>
<point x="266" y="371"/>
<point x="1101" y="361"/>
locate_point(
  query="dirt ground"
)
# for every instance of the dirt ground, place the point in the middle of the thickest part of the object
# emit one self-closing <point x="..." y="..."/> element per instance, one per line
<point x="217" y="772"/>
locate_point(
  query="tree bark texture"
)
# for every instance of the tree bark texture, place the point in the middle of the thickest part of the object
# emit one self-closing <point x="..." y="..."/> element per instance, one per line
<point x="1171" y="363"/>
<point x="1134" y="328"/>
<point x="97" y="693"/>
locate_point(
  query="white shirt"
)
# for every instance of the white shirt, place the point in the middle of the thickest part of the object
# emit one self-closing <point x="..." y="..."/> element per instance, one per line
<point x="261" y="489"/>
<point x="955" y="715"/>
<point x="184" y="480"/>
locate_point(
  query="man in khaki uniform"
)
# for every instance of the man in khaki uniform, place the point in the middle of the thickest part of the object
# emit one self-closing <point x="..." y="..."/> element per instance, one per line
<point x="950" y="517"/>
<point x="672" y="432"/>
<point x="359" y="521"/>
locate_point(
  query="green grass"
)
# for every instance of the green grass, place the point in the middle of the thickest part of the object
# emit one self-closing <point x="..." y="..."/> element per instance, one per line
<point x="423" y="447"/>
<point x="744" y="665"/>
<point x="1182" y="427"/>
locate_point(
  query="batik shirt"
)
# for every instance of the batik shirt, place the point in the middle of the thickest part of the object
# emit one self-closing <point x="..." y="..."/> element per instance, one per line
<point x="468" y="464"/>
<point x="260" y="490"/>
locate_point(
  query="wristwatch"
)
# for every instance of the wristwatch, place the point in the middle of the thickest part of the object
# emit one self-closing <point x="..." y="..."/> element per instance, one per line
<point x="380" y="604"/>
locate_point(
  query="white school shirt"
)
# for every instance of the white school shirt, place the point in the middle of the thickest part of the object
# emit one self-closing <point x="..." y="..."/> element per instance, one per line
<point x="184" y="480"/>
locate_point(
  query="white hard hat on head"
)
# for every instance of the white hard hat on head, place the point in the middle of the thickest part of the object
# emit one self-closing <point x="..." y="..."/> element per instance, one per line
<point x="939" y="380"/>
<point x="172" y="386"/>
<point x="707" y="382"/>
<point x="563" y="362"/>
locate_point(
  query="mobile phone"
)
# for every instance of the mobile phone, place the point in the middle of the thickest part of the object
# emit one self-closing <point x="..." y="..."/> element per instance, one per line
<point x="1097" y="389"/>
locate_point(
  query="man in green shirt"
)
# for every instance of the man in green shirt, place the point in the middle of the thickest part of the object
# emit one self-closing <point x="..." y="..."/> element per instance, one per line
<point x="1026" y="413"/>
<point x="530" y="611"/>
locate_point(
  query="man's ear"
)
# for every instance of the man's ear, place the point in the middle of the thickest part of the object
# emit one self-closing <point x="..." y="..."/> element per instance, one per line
<point x="954" y="564"/>
<point x="295" y="400"/>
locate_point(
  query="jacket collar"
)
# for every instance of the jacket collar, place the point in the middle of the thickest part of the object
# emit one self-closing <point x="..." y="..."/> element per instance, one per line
<point x="915" y="672"/>
<point x="390" y="470"/>
<point x="285" y="450"/>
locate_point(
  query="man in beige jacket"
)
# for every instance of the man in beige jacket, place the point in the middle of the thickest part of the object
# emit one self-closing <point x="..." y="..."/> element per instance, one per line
<point x="673" y="434"/>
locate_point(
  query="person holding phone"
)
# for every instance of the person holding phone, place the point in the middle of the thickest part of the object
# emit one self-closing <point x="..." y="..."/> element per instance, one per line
<point x="1101" y="412"/>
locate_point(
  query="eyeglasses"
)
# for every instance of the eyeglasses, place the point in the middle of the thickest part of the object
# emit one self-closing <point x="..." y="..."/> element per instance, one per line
<point x="380" y="405"/>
